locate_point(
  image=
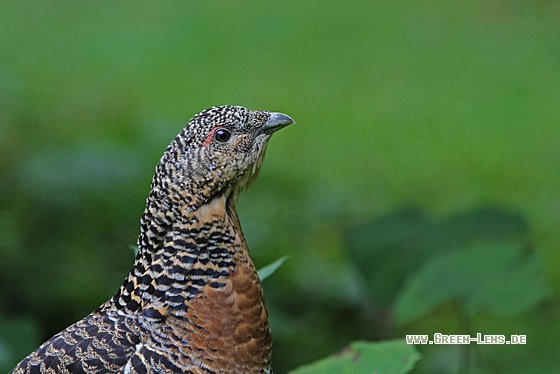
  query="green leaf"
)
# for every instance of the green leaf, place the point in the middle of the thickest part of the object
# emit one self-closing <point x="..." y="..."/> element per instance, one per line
<point x="388" y="357"/>
<point x="388" y="250"/>
<point x="134" y="249"/>
<point x="269" y="269"/>
<point x="499" y="278"/>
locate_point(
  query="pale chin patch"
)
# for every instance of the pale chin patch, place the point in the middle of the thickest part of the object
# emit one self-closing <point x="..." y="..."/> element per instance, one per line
<point x="245" y="180"/>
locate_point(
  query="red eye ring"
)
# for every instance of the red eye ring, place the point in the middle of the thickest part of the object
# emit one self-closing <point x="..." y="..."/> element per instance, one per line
<point x="218" y="134"/>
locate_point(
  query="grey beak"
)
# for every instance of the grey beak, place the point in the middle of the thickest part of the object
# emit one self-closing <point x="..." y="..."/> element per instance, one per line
<point x="276" y="122"/>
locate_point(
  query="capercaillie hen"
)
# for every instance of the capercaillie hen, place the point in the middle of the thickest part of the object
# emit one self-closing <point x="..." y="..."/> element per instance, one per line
<point x="193" y="302"/>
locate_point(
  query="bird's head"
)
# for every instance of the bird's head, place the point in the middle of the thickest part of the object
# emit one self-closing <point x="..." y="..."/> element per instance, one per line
<point x="220" y="151"/>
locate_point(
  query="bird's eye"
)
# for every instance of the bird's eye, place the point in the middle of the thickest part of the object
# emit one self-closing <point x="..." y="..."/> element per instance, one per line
<point x="222" y="135"/>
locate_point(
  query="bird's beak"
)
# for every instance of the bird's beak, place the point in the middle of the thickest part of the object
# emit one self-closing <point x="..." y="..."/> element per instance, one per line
<point x="276" y="122"/>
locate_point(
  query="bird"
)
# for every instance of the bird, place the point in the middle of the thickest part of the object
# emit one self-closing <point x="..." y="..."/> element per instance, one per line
<point x="193" y="301"/>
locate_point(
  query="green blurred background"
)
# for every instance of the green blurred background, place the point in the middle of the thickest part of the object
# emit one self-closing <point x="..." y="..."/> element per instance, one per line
<point x="419" y="191"/>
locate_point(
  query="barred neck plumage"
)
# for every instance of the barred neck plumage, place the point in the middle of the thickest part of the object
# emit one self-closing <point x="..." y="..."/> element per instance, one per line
<point x="179" y="254"/>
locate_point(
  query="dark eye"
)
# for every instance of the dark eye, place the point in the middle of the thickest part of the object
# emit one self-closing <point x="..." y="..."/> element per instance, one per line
<point x="222" y="135"/>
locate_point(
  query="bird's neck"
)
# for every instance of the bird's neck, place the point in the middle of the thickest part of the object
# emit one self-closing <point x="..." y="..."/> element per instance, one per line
<point x="181" y="252"/>
<point x="200" y="284"/>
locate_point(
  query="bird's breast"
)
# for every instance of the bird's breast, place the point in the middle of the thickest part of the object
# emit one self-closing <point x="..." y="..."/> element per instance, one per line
<point x="229" y="323"/>
<point x="224" y="326"/>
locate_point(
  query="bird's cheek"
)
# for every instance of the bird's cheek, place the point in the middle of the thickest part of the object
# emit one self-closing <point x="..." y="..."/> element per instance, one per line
<point x="241" y="144"/>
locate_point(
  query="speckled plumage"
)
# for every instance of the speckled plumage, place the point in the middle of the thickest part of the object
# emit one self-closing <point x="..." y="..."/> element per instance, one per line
<point x="193" y="302"/>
